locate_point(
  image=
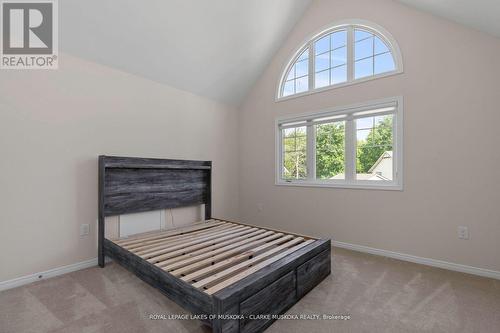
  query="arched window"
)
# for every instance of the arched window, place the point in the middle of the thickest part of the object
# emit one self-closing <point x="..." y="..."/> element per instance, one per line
<point x="346" y="53"/>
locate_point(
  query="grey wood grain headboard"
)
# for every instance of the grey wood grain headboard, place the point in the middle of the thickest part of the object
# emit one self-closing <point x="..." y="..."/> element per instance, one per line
<point x="132" y="185"/>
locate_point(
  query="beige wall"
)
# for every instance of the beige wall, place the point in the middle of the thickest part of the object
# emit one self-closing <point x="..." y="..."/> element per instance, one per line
<point x="451" y="92"/>
<point x="54" y="124"/>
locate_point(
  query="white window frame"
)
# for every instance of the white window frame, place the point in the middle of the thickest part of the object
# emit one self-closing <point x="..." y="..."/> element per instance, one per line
<point x="350" y="26"/>
<point x="350" y="147"/>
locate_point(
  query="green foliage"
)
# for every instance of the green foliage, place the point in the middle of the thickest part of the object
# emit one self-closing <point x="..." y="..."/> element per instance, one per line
<point x="330" y="145"/>
<point x="330" y="149"/>
<point x="378" y="141"/>
<point x="294" y="158"/>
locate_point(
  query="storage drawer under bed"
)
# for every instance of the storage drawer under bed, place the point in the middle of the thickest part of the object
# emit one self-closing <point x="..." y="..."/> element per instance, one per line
<point x="271" y="300"/>
<point x="312" y="272"/>
<point x="281" y="294"/>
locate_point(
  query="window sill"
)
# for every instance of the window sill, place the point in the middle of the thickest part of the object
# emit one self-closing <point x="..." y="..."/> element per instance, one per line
<point x="362" y="186"/>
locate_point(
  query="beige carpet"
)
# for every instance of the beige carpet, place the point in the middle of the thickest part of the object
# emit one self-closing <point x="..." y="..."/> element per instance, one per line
<point x="379" y="295"/>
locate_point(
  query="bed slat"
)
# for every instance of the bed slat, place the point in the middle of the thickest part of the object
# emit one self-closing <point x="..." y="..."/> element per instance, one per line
<point x="212" y="251"/>
<point x="197" y="245"/>
<point x="229" y="271"/>
<point x="248" y="254"/>
<point x="244" y="251"/>
<point x="178" y="231"/>
<point x="163" y="243"/>
<point x="255" y="268"/>
<point x="192" y="241"/>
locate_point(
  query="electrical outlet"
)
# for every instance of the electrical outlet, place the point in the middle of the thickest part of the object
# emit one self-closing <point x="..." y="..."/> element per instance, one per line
<point x="84" y="229"/>
<point x="463" y="232"/>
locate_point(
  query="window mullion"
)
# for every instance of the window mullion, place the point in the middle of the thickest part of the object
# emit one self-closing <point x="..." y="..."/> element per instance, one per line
<point x="395" y="148"/>
<point x="310" y="70"/>
<point x="350" y="54"/>
<point x="311" y="153"/>
<point x="350" y="151"/>
<point x="282" y="153"/>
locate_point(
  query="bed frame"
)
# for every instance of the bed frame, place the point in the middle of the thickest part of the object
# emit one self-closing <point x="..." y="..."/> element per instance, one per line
<point x="223" y="272"/>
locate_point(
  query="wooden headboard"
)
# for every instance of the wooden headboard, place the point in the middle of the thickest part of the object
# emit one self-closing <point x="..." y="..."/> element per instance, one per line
<point x="132" y="185"/>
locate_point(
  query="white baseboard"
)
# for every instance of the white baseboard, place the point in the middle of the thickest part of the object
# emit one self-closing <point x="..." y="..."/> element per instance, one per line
<point x="20" y="281"/>
<point x="420" y="260"/>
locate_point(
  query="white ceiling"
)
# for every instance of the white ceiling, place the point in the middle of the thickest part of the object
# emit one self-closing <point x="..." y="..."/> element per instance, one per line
<point x="482" y="15"/>
<point x="214" y="48"/>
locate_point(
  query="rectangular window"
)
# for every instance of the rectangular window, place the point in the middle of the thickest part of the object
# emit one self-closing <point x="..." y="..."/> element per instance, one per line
<point x="330" y="150"/>
<point x="354" y="147"/>
<point x="294" y="152"/>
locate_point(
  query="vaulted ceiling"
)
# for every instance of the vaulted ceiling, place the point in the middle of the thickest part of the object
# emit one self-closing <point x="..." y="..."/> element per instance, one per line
<point x="481" y="15"/>
<point x="213" y="48"/>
